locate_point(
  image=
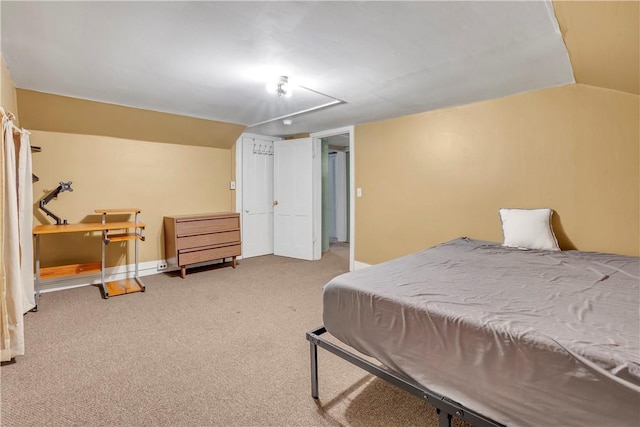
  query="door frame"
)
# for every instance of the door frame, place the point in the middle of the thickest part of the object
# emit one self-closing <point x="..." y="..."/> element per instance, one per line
<point x="317" y="179"/>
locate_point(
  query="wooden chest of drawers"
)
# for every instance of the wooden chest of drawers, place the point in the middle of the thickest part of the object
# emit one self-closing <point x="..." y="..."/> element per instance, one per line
<point x="192" y="239"/>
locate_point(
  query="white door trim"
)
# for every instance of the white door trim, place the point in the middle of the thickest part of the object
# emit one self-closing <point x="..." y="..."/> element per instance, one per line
<point x="317" y="177"/>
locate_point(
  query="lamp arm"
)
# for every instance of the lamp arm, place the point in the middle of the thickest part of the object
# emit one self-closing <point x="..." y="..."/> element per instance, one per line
<point x="64" y="186"/>
<point x="51" y="214"/>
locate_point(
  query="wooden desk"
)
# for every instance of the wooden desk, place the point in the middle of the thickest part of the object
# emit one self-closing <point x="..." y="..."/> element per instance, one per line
<point x="134" y="285"/>
<point x="87" y="227"/>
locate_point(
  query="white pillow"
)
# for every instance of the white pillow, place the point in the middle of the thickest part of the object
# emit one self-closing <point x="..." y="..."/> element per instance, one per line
<point x="528" y="229"/>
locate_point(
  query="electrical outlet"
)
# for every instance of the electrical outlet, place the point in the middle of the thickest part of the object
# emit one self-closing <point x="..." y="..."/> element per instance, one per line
<point x="162" y="266"/>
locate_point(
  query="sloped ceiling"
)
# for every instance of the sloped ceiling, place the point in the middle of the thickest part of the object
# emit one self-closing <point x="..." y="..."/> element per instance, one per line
<point x="211" y="59"/>
<point x="603" y="40"/>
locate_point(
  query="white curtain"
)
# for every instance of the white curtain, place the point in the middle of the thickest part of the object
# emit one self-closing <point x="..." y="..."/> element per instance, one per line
<point x="16" y="247"/>
<point x="25" y="221"/>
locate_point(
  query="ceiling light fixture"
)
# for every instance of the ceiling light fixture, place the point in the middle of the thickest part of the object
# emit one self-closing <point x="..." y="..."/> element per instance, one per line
<point x="281" y="87"/>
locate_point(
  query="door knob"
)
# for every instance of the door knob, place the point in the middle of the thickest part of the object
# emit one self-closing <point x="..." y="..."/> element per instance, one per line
<point x="275" y="202"/>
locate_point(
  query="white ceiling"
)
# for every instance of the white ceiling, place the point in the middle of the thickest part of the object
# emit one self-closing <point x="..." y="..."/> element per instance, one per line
<point x="211" y="59"/>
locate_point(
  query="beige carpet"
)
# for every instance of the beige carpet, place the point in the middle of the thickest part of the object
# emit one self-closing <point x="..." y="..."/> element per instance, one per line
<point x="222" y="347"/>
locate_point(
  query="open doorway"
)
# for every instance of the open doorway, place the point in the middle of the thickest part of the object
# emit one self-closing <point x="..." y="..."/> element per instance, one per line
<point x="335" y="195"/>
<point x="323" y="170"/>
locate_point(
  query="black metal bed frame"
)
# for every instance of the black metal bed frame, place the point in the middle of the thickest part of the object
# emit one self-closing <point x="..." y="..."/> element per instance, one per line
<point x="445" y="407"/>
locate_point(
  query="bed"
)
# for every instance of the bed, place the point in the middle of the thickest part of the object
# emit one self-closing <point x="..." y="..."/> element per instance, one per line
<point x="496" y="335"/>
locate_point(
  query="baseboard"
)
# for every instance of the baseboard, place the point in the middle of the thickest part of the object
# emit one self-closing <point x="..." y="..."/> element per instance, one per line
<point x="112" y="273"/>
<point x="357" y="265"/>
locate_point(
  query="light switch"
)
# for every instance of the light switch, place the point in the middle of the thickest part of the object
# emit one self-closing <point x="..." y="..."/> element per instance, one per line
<point x="358" y="192"/>
<point x="232" y="185"/>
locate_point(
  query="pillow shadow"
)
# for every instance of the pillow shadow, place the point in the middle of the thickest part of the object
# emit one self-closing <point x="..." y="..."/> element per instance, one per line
<point x="564" y="241"/>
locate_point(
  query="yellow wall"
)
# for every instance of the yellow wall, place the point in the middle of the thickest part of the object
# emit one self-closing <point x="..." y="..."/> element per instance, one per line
<point x="55" y="113"/>
<point x="160" y="179"/>
<point x="603" y="42"/>
<point x="8" y="90"/>
<point x="435" y="176"/>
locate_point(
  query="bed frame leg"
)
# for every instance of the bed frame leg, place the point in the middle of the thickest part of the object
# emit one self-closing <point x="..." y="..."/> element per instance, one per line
<point x="314" y="369"/>
<point x="444" y="419"/>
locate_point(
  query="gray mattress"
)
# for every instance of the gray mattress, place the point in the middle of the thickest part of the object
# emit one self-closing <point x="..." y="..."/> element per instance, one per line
<point x="524" y="337"/>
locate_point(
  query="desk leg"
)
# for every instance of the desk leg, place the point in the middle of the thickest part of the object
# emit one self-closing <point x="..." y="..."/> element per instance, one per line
<point x="37" y="294"/>
<point x="136" y="274"/>
<point x="102" y="247"/>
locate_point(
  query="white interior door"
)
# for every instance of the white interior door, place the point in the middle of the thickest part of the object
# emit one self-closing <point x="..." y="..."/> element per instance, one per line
<point x="293" y="183"/>
<point x="257" y="196"/>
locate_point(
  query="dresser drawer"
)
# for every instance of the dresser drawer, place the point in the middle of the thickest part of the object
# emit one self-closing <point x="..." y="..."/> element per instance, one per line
<point x="189" y="242"/>
<point x="208" y="254"/>
<point x="185" y="228"/>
